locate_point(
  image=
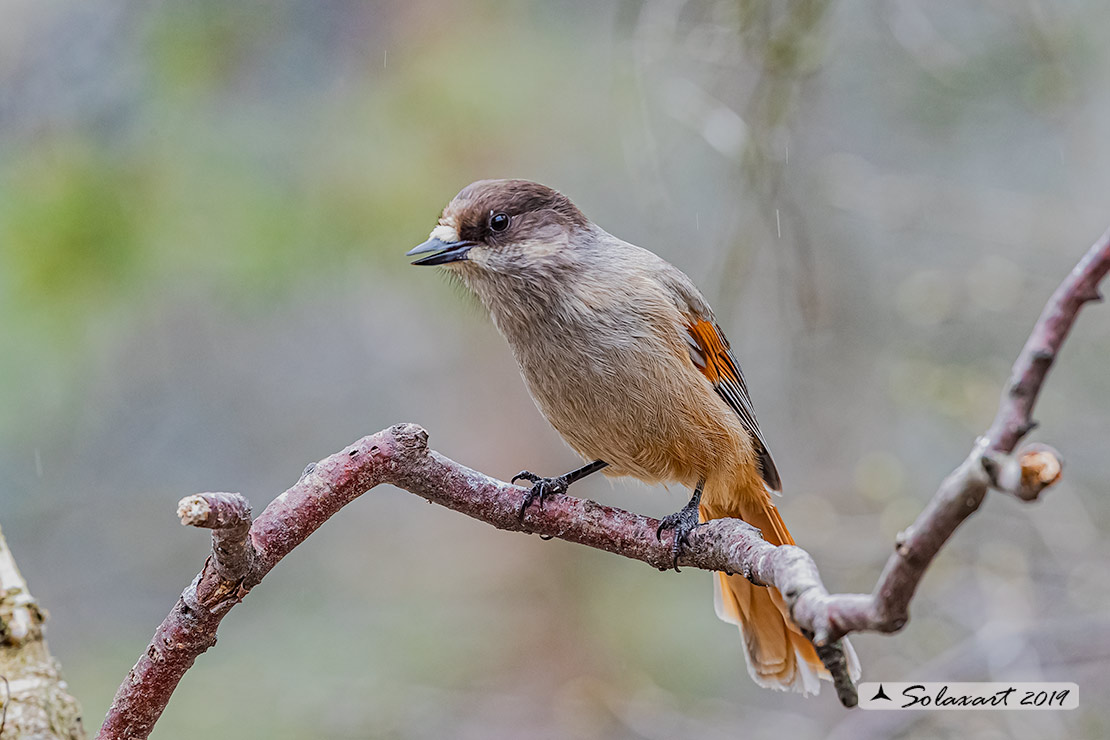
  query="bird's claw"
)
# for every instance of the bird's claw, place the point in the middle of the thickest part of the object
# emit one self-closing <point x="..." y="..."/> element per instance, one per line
<point x="541" y="489"/>
<point x="683" y="523"/>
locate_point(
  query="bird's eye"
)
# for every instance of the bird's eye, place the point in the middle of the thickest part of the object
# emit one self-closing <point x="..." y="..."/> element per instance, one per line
<point x="498" y="221"/>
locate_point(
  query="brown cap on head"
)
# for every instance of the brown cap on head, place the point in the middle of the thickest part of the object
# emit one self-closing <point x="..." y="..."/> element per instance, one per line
<point x="471" y="210"/>
<point x="497" y="213"/>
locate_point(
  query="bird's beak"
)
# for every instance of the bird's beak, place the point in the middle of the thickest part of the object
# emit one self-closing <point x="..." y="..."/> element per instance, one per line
<point x="442" y="252"/>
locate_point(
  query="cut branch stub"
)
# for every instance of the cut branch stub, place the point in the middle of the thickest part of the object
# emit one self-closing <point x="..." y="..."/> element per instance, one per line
<point x="1025" y="474"/>
<point x="228" y="515"/>
<point x="215" y="510"/>
<point x="1041" y="467"/>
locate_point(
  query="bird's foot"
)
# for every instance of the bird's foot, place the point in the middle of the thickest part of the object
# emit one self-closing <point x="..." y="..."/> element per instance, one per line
<point x="683" y="523"/>
<point x="541" y="488"/>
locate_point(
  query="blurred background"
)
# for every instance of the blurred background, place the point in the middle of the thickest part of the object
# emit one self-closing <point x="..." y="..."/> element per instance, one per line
<point x="204" y="208"/>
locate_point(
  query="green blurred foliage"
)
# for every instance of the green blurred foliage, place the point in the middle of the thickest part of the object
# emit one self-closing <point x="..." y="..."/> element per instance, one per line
<point x="213" y="190"/>
<point x="73" y="229"/>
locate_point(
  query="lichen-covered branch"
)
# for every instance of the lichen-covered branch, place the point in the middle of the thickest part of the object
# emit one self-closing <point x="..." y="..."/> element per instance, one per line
<point x="35" y="701"/>
<point x="242" y="555"/>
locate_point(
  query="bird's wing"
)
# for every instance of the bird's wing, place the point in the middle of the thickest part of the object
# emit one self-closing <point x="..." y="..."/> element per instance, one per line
<point x="709" y="350"/>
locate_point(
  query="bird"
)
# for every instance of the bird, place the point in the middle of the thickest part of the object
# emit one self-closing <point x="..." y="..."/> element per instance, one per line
<point x="624" y="357"/>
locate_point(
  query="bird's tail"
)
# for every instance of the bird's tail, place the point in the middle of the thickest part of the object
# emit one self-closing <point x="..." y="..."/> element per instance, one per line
<point x="779" y="655"/>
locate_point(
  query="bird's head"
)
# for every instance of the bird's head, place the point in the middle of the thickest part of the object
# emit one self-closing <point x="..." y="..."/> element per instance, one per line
<point x="499" y="227"/>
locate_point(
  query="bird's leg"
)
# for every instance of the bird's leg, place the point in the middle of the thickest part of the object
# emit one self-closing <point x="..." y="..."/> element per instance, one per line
<point x="682" y="522"/>
<point x="544" y="487"/>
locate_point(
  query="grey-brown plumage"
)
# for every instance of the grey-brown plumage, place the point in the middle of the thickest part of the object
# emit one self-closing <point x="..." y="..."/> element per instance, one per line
<point x="624" y="357"/>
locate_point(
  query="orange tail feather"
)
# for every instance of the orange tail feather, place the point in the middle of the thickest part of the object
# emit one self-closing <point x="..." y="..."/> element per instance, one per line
<point x="779" y="656"/>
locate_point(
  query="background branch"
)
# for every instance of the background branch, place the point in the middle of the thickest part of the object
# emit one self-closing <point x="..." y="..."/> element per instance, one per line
<point x="243" y="555"/>
<point x="36" y="699"/>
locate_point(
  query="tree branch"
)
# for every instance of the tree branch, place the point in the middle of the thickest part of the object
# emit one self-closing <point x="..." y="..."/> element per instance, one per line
<point x="1015" y="413"/>
<point x="961" y="493"/>
<point x="243" y="555"/>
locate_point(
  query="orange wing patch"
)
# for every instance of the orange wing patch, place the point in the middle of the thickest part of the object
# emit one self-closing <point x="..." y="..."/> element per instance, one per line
<point x="710" y="353"/>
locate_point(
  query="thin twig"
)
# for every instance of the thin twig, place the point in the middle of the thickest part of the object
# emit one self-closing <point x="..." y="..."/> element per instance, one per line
<point x="1015" y="412"/>
<point x="962" y="492"/>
